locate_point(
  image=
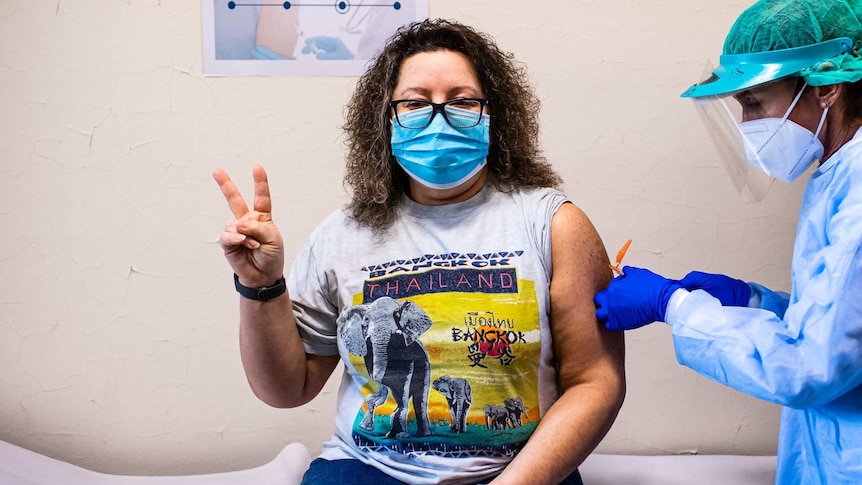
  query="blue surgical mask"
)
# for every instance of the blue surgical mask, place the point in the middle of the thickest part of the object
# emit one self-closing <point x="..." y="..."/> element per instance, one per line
<point x="440" y="156"/>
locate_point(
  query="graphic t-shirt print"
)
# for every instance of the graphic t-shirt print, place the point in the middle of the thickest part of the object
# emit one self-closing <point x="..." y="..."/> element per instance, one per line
<point x="450" y="347"/>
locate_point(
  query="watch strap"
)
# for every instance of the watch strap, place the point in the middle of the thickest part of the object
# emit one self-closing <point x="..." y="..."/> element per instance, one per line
<point x="264" y="293"/>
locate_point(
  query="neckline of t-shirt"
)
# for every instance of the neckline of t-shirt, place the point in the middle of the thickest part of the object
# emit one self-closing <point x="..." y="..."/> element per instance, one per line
<point x="416" y="210"/>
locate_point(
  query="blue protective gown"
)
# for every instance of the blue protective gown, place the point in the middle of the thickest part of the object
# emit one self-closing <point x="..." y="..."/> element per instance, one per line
<point x="808" y="358"/>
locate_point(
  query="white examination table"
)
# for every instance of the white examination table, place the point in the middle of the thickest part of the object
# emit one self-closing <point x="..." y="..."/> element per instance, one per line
<point x="23" y="467"/>
<point x="678" y="470"/>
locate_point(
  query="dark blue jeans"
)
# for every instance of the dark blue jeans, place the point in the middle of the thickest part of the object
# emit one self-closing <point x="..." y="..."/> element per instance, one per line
<point x="354" y="472"/>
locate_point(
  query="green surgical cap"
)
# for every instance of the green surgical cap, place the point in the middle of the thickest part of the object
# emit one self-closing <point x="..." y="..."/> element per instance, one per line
<point x="771" y="25"/>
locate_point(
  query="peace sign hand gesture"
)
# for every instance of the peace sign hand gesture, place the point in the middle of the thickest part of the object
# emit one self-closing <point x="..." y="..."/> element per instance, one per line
<point x="252" y="244"/>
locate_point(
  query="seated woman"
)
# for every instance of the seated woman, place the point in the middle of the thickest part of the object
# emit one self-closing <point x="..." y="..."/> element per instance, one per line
<point x="456" y="287"/>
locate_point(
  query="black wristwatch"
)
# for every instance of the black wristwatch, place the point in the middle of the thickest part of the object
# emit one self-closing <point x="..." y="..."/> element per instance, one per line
<point x="264" y="293"/>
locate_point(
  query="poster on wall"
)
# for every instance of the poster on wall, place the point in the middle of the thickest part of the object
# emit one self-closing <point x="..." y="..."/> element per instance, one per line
<point x="303" y="38"/>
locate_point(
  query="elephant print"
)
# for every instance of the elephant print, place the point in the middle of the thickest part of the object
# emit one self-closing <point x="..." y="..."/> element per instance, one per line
<point x="459" y="396"/>
<point x="515" y="409"/>
<point x="386" y="333"/>
<point x="509" y="415"/>
<point x="496" y="417"/>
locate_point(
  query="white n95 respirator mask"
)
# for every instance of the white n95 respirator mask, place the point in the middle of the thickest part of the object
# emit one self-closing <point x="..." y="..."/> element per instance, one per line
<point x="780" y="147"/>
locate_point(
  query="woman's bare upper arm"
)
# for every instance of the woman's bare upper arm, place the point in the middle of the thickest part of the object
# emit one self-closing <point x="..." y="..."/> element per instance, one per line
<point x="320" y="368"/>
<point x="585" y="350"/>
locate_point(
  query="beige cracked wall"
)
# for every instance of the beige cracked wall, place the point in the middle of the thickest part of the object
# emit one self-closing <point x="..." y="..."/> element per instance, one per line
<point x="118" y="319"/>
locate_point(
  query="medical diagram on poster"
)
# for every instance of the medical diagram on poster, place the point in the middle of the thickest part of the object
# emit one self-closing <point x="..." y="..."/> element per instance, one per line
<point x="302" y="38"/>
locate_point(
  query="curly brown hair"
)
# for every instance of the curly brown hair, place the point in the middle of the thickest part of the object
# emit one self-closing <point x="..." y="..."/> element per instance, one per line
<point x="514" y="157"/>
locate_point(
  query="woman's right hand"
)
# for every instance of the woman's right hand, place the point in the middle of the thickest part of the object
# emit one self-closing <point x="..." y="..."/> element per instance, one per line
<point x="252" y="244"/>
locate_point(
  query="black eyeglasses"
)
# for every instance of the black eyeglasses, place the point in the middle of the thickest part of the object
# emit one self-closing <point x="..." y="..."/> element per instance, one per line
<point x="459" y="113"/>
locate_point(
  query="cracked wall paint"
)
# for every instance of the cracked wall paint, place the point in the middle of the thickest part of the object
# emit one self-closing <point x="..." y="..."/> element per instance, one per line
<point x="118" y="320"/>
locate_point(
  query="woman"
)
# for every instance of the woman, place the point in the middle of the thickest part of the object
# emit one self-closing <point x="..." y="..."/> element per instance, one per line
<point x="792" y="72"/>
<point x="456" y="287"/>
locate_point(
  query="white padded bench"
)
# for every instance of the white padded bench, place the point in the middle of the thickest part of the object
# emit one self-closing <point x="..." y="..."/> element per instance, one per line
<point x="19" y="466"/>
<point x="678" y="470"/>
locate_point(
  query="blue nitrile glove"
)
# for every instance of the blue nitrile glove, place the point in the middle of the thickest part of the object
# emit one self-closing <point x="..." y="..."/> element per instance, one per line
<point x="730" y="291"/>
<point x="636" y="298"/>
<point x="327" y="48"/>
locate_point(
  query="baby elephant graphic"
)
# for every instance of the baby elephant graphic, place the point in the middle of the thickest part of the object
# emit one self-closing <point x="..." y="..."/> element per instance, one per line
<point x="459" y="396"/>
<point x="496" y="416"/>
<point x="386" y="332"/>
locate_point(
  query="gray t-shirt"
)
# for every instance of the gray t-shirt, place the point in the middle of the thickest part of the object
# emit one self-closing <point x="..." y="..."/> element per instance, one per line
<point x="442" y="324"/>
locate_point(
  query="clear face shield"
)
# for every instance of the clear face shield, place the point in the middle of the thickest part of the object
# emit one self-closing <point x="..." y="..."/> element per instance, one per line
<point x="756" y="139"/>
<point x="721" y="115"/>
<point x="745" y="104"/>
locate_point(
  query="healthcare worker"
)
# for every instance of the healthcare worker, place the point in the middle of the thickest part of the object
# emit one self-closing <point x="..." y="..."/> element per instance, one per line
<point x="786" y="96"/>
